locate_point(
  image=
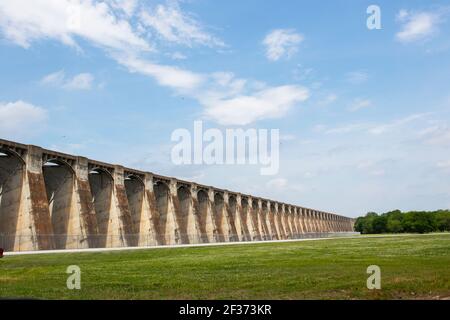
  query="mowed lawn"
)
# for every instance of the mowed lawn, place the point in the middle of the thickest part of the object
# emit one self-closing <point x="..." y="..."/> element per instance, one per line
<point x="413" y="266"/>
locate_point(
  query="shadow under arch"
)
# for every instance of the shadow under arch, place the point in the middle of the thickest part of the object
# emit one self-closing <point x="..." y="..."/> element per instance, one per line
<point x="232" y="207"/>
<point x="219" y="217"/>
<point x="264" y="218"/>
<point x="184" y="202"/>
<point x="272" y="217"/>
<point x="135" y="190"/>
<point x="59" y="178"/>
<point x="12" y="170"/>
<point x="162" y="192"/>
<point x="243" y="211"/>
<point x="202" y="215"/>
<point x="101" y="183"/>
<point x="254" y="217"/>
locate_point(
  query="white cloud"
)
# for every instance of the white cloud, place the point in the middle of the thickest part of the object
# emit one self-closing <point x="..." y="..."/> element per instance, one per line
<point x="416" y="25"/>
<point x="357" y="77"/>
<point x="126" y="6"/>
<point x="65" y="20"/>
<point x="169" y="76"/>
<point x="19" y="119"/>
<point x="281" y="43"/>
<point x="383" y="128"/>
<point x="173" y="25"/>
<point x="359" y="104"/>
<point x="244" y="109"/>
<point x="225" y="98"/>
<point x="82" y="81"/>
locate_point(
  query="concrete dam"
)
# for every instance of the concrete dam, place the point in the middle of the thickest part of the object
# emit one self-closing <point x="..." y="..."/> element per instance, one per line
<point x="51" y="200"/>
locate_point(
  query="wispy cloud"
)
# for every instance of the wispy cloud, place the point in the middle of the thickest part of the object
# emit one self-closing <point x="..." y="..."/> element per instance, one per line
<point x="416" y="26"/>
<point x="173" y="25"/>
<point x="281" y="43"/>
<point x="357" y="77"/>
<point x="82" y="81"/>
<point x="358" y="104"/>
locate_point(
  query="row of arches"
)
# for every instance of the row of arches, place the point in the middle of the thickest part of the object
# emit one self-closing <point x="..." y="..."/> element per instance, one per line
<point x="168" y="214"/>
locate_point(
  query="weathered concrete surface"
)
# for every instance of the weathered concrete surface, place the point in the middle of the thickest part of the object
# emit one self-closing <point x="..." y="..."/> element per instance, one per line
<point x="50" y="200"/>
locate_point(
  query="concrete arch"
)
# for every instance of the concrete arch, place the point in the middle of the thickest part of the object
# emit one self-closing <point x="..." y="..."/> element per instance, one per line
<point x="287" y="226"/>
<point x="162" y="194"/>
<point x="272" y="225"/>
<point x="257" y="234"/>
<point x="102" y="183"/>
<point x="279" y="221"/>
<point x="219" y="218"/>
<point x="12" y="171"/>
<point x="135" y="191"/>
<point x="293" y="225"/>
<point x="232" y="218"/>
<point x="59" y="179"/>
<point x="205" y="229"/>
<point x="263" y="216"/>
<point x="247" y="228"/>
<point x="182" y="214"/>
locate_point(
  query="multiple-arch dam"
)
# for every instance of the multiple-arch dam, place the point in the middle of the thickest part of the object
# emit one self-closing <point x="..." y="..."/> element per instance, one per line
<point x="51" y="200"/>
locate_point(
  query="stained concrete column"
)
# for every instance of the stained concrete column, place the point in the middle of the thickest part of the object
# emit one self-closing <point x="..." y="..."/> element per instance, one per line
<point x="125" y="226"/>
<point x="287" y="221"/>
<point x="328" y="220"/>
<point x="85" y="207"/>
<point x="40" y="224"/>
<point x="310" y="220"/>
<point x="298" y="217"/>
<point x="271" y="221"/>
<point x="262" y="221"/>
<point x="147" y="226"/>
<point x="291" y="220"/>
<point x="245" y="222"/>
<point x="253" y="209"/>
<point x="230" y="218"/>
<point x="323" y="227"/>
<point x="279" y="221"/>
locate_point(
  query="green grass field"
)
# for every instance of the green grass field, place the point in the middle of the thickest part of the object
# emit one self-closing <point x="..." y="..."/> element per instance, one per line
<point x="413" y="266"/>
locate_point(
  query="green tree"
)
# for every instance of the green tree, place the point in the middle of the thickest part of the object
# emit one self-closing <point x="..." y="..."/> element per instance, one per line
<point x="442" y="218"/>
<point x="418" y="222"/>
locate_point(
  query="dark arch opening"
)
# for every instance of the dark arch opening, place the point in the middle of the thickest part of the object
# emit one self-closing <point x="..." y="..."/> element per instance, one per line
<point x="219" y="217"/>
<point x="135" y="189"/>
<point x="11" y="183"/>
<point x="244" y="219"/>
<point x="273" y="228"/>
<point x="202" y="198"/>
<point x="184" y="199"/>
<point x="232" y="207"/>
<point x="59" y="185"/>
<point x="101" y="183"/>
<point x="162" y="193"/>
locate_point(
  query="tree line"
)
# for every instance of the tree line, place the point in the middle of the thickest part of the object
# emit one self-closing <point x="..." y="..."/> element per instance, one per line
<point x="404" y="222"/>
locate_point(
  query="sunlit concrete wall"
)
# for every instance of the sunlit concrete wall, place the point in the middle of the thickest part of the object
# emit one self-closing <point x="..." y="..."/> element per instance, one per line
<point x="51" y="200"/>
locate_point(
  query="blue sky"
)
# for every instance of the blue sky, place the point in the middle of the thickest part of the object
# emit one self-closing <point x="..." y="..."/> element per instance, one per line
<point x="364" y="115"/>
